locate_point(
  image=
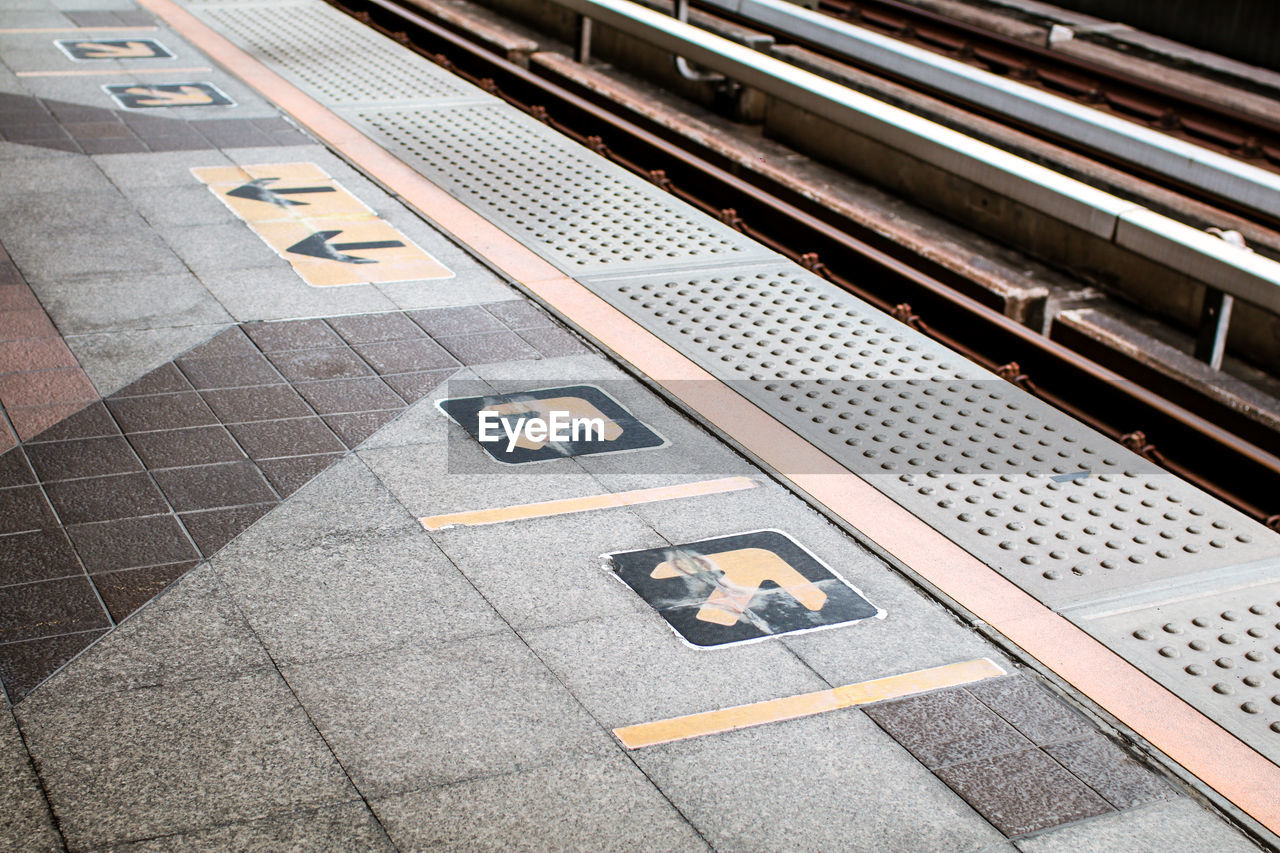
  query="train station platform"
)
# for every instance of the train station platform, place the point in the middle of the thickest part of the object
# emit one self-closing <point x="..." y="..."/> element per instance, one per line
<point x="384" y="471"/>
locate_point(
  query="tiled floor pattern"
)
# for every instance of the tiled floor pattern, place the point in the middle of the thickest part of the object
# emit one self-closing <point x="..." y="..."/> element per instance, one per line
<point x="65" y="126"/>
<point x="40" y="380"/>
<point x="1021" y="758"/>
<point x="103" y="510"/>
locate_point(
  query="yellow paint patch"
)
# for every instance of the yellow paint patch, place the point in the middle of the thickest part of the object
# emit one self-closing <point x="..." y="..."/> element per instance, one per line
<point x="329" y="236"/>
<point x="743" y="570"/>
<point x="806" y="704"/>
<point x="571" y="505"/>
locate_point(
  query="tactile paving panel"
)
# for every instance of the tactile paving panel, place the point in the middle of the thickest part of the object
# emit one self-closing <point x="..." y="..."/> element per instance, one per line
<point x="1219" y="651"/>
<point x="572" y="207"/>
<point x="993" y="468"/>
<point x="332" y="57"/>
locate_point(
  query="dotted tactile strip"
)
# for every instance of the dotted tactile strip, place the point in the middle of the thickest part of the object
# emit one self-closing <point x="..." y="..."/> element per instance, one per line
<point x="318" y="49"/>
<point x="970" y="454"/>
<point x="103" y="510"/>
<point x="572" y="207"/>
<point x="1219" y="650"/>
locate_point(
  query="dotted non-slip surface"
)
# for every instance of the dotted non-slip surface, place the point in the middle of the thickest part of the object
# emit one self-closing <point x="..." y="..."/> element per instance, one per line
<point x="1058" y="509"/>
<point x="567" y="204"/>
<point x="318" y="48"/>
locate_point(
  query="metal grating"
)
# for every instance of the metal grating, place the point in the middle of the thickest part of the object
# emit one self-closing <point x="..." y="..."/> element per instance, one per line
<point x="331" y="56"/>
<point x="1220" y="651"/>
<point x="567" y="204"/>
<point x="965" y="451"/>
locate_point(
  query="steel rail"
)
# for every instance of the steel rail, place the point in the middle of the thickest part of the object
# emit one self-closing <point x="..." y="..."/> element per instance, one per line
<point x="1190" y="446"/>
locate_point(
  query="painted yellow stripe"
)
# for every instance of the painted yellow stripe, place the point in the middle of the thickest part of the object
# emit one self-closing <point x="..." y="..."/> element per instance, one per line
<point x="114" y="72"/>
<point x="806" y="704"/>
<point x="570" y="505"/>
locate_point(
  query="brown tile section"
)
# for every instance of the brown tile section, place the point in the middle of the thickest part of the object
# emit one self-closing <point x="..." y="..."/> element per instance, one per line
<point x="1109" y="771"/>
<point x="488" y="348"/>
<point x="946" y="727"/>
<point x="1022" y="792"/>
<point x="176" y="464"/>
<point x="518" y="314"/>
<point x="1031" y="709"/>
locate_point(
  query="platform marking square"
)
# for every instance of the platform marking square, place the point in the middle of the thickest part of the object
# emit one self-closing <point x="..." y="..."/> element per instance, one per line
<point x="148" y="96"/>
<point x="740" y="588"/>
<point x="91" y="50"/>
<point x="504" y="424"/>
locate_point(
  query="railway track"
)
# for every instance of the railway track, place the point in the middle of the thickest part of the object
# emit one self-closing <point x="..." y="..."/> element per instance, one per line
<point x="1215" y="447"/>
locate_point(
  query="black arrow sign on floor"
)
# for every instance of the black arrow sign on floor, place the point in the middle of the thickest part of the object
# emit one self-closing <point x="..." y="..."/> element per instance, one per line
<point x="257" y="190"/>
<point x="318" y="246"/>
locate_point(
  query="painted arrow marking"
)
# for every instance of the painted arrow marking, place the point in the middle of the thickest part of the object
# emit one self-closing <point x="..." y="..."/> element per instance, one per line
<point x="257" y="190"/>
<point x="116" y="50"/>
<point x="741" y="574"/>
<point x="159" y="98"/>
<point x="318" y="246"/>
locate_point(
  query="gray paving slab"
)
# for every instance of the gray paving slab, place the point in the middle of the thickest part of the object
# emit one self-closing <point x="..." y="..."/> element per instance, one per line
<point x="177" y="758"/>
<point x="463" y="477"/>
<point x="349" y="826"/>
<point x="598" y="803"/>
<point x="444" y="713"/>
<point x="176" y="206"/>
<point x="341" y="569"/>
<point x="547" y="571"/>
<point x="14" y="152"/>
<point x="1171" y="825"/>
<point x="32" y="218"/>
<point x="35" y="181"/>
<point x="92" y="252"/>
<point x="25" y="821"/>
<point x="114" y="359"/>
<point x="192" y="631"/>
<point x="629" y="668"/>
<point x="167" y="169"/>
<point x="213" y="249"/>
<point x="828" y="782"/>
<point x="277" y="293"/>
<point x="125" y="301"/>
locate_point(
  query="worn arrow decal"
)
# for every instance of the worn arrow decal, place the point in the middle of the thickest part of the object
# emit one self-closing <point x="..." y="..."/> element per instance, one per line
<point x="736" y="576"/>
<point x="257" y="190"/>
<point x="116" y="50"/>
<point x="318" y="246"/>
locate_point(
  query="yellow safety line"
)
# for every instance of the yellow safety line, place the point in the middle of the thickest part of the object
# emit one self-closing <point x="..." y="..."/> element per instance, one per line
<point x="116" y="72"/>
<point x="570" y="505"/>
<point x="806" y="704"/>
<point x="19" y="30"/>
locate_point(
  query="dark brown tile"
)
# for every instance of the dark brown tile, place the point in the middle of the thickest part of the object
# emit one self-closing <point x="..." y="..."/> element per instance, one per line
<point x="177" y="448"/>
<point x="298" y="437"/>
<point x="1022" y="792"/>
<point x="214" y="486"/>
<point x="259" y="403"/>
<point x="293" y="472"/>
<point x="24" y="666"/>
<point x="84" y="457"/>
<point x="229" y="343"/>
<point x="126" y="543"/>
<point x="519" y="314"/>
<point x="489" y="348"/>
<point x="553" y="342"/>
<point x="407" y="356"/>
<point x="14" y="470"/>
<point x="49" y="608"/>
<point x="232" y="372"/>
<point x="350" y="395"/>
<point x="355" y="428"/>
<point x="946" y="727"/>
<point x="214" y="528"/>
<point x="37" y="555"/>
<point x="178" y="143"/>
<point x="98" y="129"/>
<point x="292" y="334"/>
<point x="125" y="591"/>
<point x="371" y="328"/>
<point x="132" y="145"/>
<point x="91" y="421"/>
<point x="161" y="411"/>
<point x="467" y="320"/>
<point x="166" y="379"/>
<point x="105" y="498"/>
<point x="234" y="137"/>
<point x="412" y="387"/>
<point x="1109" y="771"/>
<point x="24" y="508"/>
<point x="1031" y="709"/>
<point x="316" y="364"/>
